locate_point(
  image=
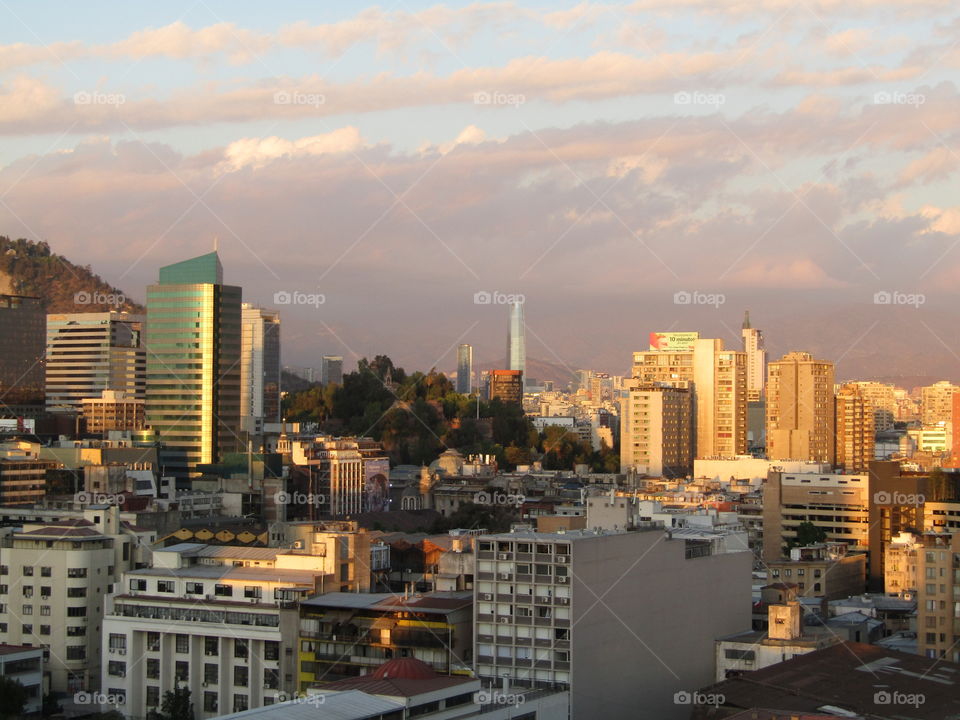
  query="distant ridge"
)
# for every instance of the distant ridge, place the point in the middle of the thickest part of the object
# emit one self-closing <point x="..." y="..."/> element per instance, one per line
<point x="30" y="268"/>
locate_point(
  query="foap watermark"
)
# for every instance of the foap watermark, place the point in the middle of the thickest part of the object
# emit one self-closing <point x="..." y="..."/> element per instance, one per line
<point x="485" y="97"/>
<point x="899" y="98"/>
<point x="99" y="298"/>
<point x="286" y="97"/>
<point x="313" y="700"/>
<point x="97" y="498"/>
<point x="895" y="297"/>
<point x="685" y="297"/>
<point x="684" y="697"/>
<point x="882" y="497"/>
<point x="895" y="697"/>
<point x="492" y="696"/>
<point x="498" y="498"/>
<point x="696" y="97"/>
<point x="98" y="98"/>
<point x="295" y="297"/>
<point x="299" y="498"/>
<point x="99" y="698"/>
<point x="485" y="297"/>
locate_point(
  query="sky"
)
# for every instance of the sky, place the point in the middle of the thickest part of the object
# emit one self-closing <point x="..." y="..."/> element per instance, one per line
<point x="376" y="173"/>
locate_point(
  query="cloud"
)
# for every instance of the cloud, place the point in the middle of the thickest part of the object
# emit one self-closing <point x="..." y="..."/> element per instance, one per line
<point x="257" y="152"/>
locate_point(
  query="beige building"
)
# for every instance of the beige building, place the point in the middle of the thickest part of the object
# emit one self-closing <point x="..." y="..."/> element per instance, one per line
<point x="936" y="402"/>
<point x="656" y="430"/>
<point x="113" y="410"/>
<point x="900" y="564"/>
<point x="718" y="379"/>
<point x="756" y="359"/>
<point x="822" y="571"/>
<point x="882" y="397"/>
<point x="855" y="435"/>
<point x="938" y="629"/>
<point x="800" y="409"/>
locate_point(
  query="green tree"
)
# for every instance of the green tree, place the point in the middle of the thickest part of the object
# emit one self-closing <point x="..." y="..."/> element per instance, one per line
<point x="807" y="534"/>
<point x="13" y="698"/>
<point x="176" y="705"/>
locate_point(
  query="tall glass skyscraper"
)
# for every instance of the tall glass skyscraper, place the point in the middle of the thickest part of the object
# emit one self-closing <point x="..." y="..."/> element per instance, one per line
<point x="464" y="368"/>
<point x="22" y="322"/>
<point x="516" y="342"/>
<point x="193" y="364"/>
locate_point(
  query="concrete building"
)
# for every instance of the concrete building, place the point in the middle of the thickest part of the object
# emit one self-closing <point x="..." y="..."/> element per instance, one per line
<point x="825" y="570"/>
<point x="900" y="564"/>
<point x="718" y="379"/>
<point x="936" y="438"/>
<point x="193" y="364"/>
<point x="24" y="664"/>
<point x="23" y="473"/>
<point x="21" y="363"/>
<point x="505" y="385"/>
<point x="800" y="409"/>
<point x="855" y="435"/>
<point x="656" y="429"/>
<point x="464" y="369"/>
<point x="88" y="353"/>
<point x="222" y="620"/>
<point x="938" y="596"/>
<point x="259" y="368"/>
<point x="539" y="624"/>
<point x="756" y="359"/>
<point x="113" y="410"/>
<point x="865" y="511"/>
<point x="327" y="478"/>
<point x="936" y="402"/>
<point x="331" y="370"/>
<point x="55" y="576"/>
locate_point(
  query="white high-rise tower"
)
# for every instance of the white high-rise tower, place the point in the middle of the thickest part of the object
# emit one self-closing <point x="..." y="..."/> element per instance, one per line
<point x="756" y="359"/>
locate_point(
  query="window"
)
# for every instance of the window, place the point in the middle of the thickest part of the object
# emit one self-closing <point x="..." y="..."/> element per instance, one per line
<point x="252" y="591"/>
<point x="239" y="703"/>
<point x="271" y="679"/>
<point x="241" y="675"/>
<point x="153" y="696"/>
<point x="27" y="629"/>
<point x="45" y="591"/>
<point x="181" y="670"/>
<point x="27" y="610"/>
<point x="165" y="586"/>
<point x="271" y="650"/>
<point x="136" y="584"/>
<point x="4" y="570"/>
<point x="210" y="702"/>
<point x="153" y="641"/>
<point x="76" y="592"/>
<point x="211" y="646"/>
<point x="76" y="631"/>
<point x="76" y="572"/>
<point x="183" y="643"/>
<point x="77" y="652"/>
<point x="117" y="668"/>
<point x="153" y="669"/>
<point x="27" y="571"/>
<point x="210" y="673"/>
<point x="77" y="611"/>
<point x="45" y="610"/>
<point x="3" y="589"/>
<point x="28" y="591"/>
<point x="194" y="588"/>
<point x="223" y="590"/>
<point x="46" y="572"/>
<point x="117" y="641"/>
<point x="240" y="649"/>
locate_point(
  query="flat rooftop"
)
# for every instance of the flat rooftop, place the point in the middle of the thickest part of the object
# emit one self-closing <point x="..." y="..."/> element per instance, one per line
<point x="435" y="602"/>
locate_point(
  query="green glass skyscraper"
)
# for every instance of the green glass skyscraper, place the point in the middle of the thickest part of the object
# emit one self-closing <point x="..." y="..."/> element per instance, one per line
<point x="193" y="364"/>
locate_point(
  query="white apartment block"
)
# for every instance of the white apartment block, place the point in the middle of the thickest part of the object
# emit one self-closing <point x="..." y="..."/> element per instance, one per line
<point x="623" y="620"/>
<point x="54" y="577"/>
<point x="222" y="621"/>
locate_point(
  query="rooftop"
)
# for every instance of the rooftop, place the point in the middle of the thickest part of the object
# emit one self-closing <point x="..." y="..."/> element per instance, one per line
<point x="436" y="602"/>
<point x="347" y="705"/>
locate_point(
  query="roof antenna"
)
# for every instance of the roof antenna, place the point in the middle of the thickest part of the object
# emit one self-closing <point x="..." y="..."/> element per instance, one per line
<point x="216" y="243"/>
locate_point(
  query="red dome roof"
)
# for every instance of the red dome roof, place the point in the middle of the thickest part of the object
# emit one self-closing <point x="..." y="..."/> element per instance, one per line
<point x="407" y="668"/>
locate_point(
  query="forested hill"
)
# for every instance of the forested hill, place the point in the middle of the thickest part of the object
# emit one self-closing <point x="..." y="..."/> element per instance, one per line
<point x="30" y="268"/>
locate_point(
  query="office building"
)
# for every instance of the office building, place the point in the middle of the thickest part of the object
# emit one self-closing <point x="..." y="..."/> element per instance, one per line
<point x="53" y="579"/>
<point x="259" y="368"/>
<point x="22" y="323"/>
<point x="331" y="471"/>
<point x="538" y="622"/>
<point x="800" y="409"/>
<point x="656" y="429"/>
<point x="331" y="370"/>
<point x="718" y="379"/>
<point x="464" y="369"/>
<point x="88" y="353"/>
<point x="756" y="359"/>
<point x="113" y="410"/>
<point x="936" y="402"/>
<point x="193" y="364"/>
<point x="221" y="620"/>
<point x="23" y="473"/>
<point x="516" y="341"/>
<point x="505" y="385"/>
<point x="855" y="436"/>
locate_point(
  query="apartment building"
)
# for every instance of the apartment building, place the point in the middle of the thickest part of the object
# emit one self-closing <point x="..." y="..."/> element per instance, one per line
<point x="900" y="564"/>
<point x="882" y="397"/>
<point x="800" y="409"/>
<point x="112" y="410"/>
<point x="54" y="577"/>
<point x="718" y="380"/>
<point x="936" y="402"/>
<point x="328" y="478"/>
<point x="825" y="570"/>
<point x="756" y="359"/>
<point x="538" y="621"/>
<point x="938" y="596"/>
<point x="23" y="473"/>
<point x="656" y="429"/>
<point x="220" y="620"/>
<point x="855" y="433"/>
